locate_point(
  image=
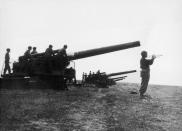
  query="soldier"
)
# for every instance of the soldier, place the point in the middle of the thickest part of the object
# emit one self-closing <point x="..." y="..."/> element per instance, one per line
<point x="73" y="75"/>
<point x="90" y="73"/>
<point x="63" y="51"/>
<point x="145" y="71"/>
<point x="98" y="72"/>
<point x="89" y="77"/>
<point x="27" y="53"/>
<point x="34" y="51"/>
<point x="83" y="77"/>
<point x="26" y="59"/>
<point x="48" y="53"/>
<point x="7" y="58"/>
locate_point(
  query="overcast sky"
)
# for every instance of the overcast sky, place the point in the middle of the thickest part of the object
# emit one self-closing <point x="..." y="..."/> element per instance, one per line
<point x="87" y="24"/>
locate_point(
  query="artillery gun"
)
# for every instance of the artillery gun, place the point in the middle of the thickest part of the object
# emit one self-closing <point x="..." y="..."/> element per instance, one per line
<point x="104" y="80"/>
<point x="35" y="67"/>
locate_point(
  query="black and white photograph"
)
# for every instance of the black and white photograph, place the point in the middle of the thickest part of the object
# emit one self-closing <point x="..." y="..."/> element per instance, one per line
<point x="90" y="65"/>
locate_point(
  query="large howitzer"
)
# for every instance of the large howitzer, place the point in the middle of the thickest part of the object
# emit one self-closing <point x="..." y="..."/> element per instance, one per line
<point x="53" y="70"/>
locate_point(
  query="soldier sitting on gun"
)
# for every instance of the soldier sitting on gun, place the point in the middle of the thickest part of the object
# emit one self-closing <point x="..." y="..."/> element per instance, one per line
<point x="27" y="53"/>
<point x="49" y="51"/>
<point x="7" y="58"/>
<point x="98" y="72"/>
<point x="63" y="56"/>
<point x="26" y="59"/>
<point x="63" y="51"/>
<point x="34" y="51"/>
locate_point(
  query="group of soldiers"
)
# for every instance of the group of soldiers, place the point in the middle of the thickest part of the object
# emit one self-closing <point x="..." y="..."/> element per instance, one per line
<point x="98" y="78"/>
<point x="27" y="55"/>
<point x="48" y="52"/>
<point x="91" y="77"/>
<point x="29" y="52"/>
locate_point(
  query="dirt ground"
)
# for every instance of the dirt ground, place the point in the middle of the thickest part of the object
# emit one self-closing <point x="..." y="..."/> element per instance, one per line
<point x="92" y="109"/>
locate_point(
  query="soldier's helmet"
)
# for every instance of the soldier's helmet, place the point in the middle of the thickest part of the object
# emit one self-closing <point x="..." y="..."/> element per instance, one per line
<point x="34" y="48"/>
<point x="50" y="46"/>
<point x="8" y="49"/>
<point x="144" y="53"/>
<point x="65" y="46"/>
<point x="29" y="47"/>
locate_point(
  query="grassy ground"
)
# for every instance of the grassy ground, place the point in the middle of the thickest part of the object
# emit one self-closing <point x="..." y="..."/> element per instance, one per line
<point x="91" y="109"/>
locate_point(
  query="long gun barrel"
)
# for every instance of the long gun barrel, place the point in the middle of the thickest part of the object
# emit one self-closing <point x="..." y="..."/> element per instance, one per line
<point x="120" y="73"/>
<point x="103" y="50"/>
<point x="122" y="77"/>
<point x="118" y="79"/>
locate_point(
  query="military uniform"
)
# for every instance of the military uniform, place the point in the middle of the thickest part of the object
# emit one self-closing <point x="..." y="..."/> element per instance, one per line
<point x="48" y="62"/>
<point x="7" y="67"/>
<point x="145" y="74"/>
<point x="26" y="60"/>
<point x="33" y="52"/>
<point x="49" y="52"/>
<point x="27" y="54"/>
<point x="63" y="52"/>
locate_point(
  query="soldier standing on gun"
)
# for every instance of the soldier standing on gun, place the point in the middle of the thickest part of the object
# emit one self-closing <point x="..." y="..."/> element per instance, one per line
<point x="145" y="71"/>
<point x="7" y="58"/>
